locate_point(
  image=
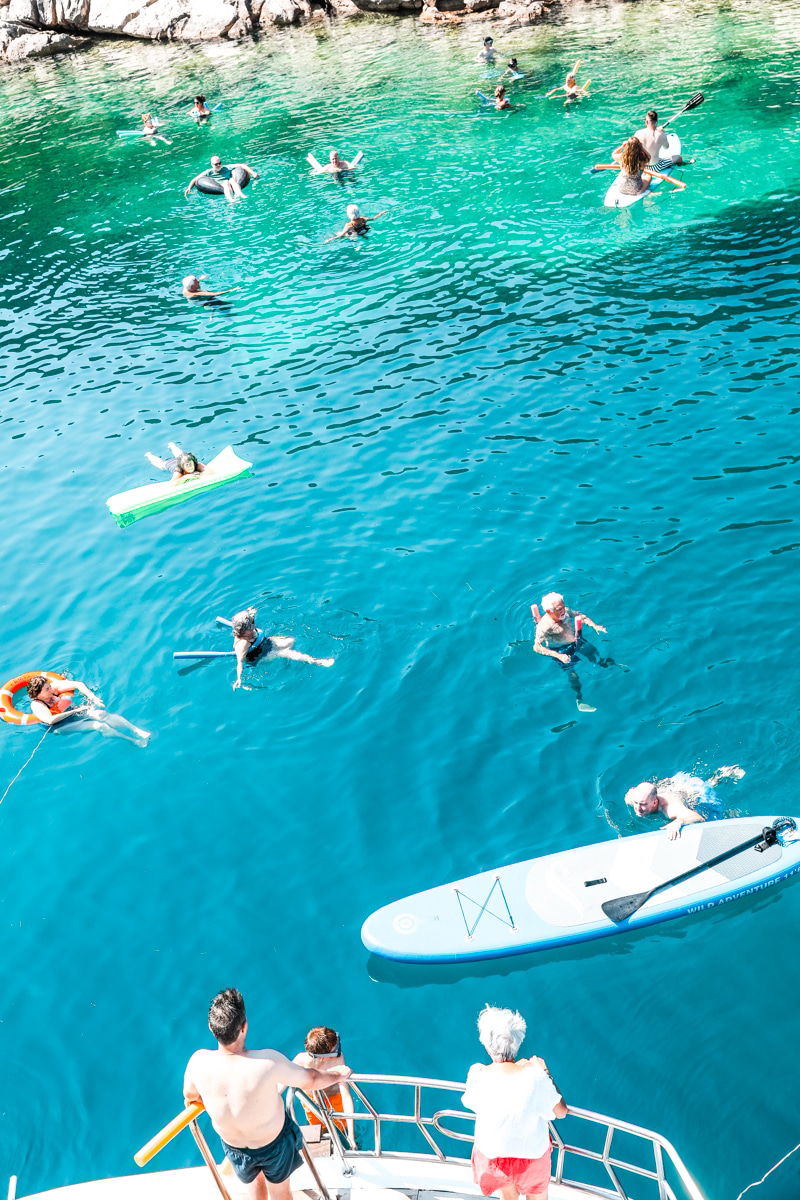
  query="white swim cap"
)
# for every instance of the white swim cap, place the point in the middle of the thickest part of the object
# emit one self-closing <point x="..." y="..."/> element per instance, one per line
<point x="353" y="211"/>
<point x="640" y="793"/>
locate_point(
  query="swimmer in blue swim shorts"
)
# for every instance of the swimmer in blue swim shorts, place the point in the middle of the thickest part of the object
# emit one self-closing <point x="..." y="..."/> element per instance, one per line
<point x="241" y="1092"/>
<point x="684" y="798"/>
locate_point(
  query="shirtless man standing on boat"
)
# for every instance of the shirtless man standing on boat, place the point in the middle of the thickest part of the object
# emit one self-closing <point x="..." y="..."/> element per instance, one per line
<point x="241" y="1092"/>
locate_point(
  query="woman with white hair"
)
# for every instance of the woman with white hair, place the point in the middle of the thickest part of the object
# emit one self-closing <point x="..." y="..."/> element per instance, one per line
<point x="513" y="1101"/>
<point x="357" y="223"/>
<point x="251" y="643"/>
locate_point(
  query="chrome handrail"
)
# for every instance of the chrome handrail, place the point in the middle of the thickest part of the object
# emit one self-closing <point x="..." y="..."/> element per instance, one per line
<point x="428" y="1126"/>
<point x="660" y="1147"/>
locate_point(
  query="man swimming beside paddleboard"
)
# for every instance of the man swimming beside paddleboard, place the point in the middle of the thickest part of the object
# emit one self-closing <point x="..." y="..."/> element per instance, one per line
<point x="684" y="799"/>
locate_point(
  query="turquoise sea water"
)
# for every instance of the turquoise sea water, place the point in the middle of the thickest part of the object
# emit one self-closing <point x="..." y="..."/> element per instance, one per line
<point x="505" y="389"/>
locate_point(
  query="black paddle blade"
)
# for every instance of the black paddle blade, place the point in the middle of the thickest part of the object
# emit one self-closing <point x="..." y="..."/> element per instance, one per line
<point x="624" y="906"/>
<point x="695" y="102"/>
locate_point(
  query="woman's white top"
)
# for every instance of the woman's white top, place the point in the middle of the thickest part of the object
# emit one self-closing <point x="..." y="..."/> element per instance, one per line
<point x="511" y="1109"/>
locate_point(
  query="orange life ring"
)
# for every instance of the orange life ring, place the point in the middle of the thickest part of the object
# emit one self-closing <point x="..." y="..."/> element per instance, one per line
<point x="12" y="715"/>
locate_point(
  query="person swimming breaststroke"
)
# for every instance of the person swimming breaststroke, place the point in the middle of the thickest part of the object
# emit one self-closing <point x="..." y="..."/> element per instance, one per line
<point x="250" y="642"/>
<point x="357" y="223"/>
<point x="224" y="177"/>
<point x="684" y="799"/>
<point x="52" y="707"/>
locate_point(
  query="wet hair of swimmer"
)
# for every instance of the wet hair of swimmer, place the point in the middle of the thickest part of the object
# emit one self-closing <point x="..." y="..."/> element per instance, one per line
<point x="199" y="99"/>
<point x="187" y="464"/>
<point x="36" y="685"/>
<point x="243" y="621"/>
<point x="652" y="116"/>
<point x="488" y="41"/>
<point x="499" y="91"/>
<point x="353" y="212"/>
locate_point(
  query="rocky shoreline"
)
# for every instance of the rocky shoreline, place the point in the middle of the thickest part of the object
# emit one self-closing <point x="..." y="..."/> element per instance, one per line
<point x="38" y="28"/>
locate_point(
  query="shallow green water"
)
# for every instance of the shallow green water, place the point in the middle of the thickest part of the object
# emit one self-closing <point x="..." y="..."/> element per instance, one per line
<point x="505" y="388"/>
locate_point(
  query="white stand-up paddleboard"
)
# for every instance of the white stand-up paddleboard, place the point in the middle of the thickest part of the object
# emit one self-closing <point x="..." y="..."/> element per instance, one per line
<point x="558" y="898"/>
<point x="127" y="507"/>
<point x="617" y="199"/>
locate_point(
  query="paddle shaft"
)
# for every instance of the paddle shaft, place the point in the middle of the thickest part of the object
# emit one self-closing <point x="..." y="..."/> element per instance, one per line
<point x="643" y="897"/>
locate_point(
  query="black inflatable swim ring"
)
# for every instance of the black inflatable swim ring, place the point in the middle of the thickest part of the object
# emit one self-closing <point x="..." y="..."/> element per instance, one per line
<point x="212" y="187"/>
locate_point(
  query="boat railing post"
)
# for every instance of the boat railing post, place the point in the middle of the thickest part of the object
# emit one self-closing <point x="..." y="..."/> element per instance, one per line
<point x="208" y="1159"/>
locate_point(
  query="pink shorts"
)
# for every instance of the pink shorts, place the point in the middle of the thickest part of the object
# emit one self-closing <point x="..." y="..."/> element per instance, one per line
<point x="527" y="1174"/>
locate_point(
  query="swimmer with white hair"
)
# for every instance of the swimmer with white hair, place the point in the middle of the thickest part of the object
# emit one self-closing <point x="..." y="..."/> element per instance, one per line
<point x="513" y="1100"/>
<point x="559" y="635"/>
<point x="193" y="291"/>
<point x="685" y="799"/>
<point x="251" y="643"/>
<point x="357" y="223"/>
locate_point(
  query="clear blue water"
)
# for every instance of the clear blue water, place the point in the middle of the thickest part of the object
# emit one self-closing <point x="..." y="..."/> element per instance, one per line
<point x="505" y="389"/>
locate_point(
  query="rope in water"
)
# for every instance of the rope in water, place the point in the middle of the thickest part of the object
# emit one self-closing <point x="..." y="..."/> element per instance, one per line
<point x="769" y="1172"/>
<point x="24" y="765"/>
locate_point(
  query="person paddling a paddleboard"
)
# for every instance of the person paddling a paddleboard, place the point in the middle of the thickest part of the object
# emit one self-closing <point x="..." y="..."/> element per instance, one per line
<point x="683" y="798"/>
<point x="654" y="139"/>
<point x="250" y="642"/>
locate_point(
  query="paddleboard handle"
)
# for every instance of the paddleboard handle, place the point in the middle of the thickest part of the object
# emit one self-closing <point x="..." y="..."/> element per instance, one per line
<point x="592" y="882"/>
<point x="770" y="833"/>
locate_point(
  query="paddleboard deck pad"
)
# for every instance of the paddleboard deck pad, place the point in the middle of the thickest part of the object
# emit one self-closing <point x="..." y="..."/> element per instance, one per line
<point x="127" y="507"/>
<point x="557" y="899"/>
<point x="614" y="198"/>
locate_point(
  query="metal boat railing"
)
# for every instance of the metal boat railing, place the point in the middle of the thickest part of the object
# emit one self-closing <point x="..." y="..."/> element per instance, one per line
<point x="595" y="1162"/>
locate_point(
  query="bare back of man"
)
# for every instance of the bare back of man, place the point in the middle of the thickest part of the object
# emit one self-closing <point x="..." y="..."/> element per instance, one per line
<point x="242" y="1092"/>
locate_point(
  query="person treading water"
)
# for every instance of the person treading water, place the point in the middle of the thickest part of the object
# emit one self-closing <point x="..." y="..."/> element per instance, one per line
<point x="570" y="87"/>
<point x="200" y="110"/>
<point x="52" y="707"/>
<point x="251" y="643"/>
<point x="336" y="165"/>
<point x="488" y="53"/>
<point x="357" y="223"/>
<point x="559" y="635"/>
<point x="683" y="798"/>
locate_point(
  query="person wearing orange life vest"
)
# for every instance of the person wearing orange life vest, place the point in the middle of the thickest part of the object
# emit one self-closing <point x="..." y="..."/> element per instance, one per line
<point x="52" y="707"/>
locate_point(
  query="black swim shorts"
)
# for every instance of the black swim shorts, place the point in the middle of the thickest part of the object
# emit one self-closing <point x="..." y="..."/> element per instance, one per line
<point x="277" y="1160"/>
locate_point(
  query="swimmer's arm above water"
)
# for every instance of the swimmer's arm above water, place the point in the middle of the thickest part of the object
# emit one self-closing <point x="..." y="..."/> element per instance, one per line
<point x="588" y="621"/>
<point x="681" y="815"/>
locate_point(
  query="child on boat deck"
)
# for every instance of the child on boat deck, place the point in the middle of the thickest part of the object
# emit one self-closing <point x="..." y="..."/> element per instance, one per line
<point x="323" y="1050"/>
<point x="183" y="466"/>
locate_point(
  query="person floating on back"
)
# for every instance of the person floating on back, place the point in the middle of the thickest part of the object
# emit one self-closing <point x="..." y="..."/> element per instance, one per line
<point x="250" y="643"/>
<point x="183" y="466"/>
<point x="52" y="707"/>
<point x="684" y="799"/>
<point x="241" y="1092"/>
<point x="559" y="635"/>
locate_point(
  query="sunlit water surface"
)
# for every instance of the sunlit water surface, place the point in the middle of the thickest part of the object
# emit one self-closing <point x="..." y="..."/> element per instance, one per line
<point x="506" y="388"/>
